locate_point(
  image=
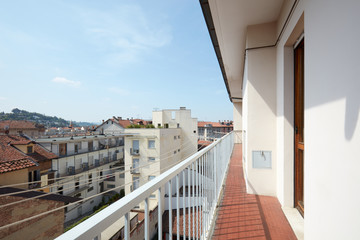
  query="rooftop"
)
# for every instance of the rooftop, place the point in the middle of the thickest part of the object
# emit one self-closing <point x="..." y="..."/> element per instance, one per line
<point x="17" y="124"/>
<point x="215" y="124"/>
<point x="11" y="158"/>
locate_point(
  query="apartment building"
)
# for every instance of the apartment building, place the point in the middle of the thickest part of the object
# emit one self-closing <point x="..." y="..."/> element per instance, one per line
<point x="151" y="151"/>
<point x="24" y="161"/>
<point x="86" y="165"/>
<point x="116" y="125"/>
<point x="209" y="131"/>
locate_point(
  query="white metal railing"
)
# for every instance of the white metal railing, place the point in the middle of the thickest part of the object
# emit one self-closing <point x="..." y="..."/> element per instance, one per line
<point x="202" y="174"/>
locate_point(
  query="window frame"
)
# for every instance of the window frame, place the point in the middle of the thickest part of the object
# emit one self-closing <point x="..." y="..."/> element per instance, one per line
<point x="151" y="147"/>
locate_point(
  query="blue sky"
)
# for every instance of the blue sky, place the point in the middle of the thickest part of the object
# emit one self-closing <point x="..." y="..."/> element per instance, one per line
<point x="91" y="60"/>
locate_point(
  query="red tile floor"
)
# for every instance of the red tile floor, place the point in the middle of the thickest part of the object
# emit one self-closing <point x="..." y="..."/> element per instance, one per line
<point x="248" y="216"/>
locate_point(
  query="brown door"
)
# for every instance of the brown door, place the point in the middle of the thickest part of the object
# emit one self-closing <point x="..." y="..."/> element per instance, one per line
<point x="299" y="126"/>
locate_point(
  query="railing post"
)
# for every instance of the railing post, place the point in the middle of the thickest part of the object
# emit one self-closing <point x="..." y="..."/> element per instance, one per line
<point x="177" y="208"/>
<point x="147" y="219"/>
<point x="206" y="191"/>
<point x="170" y="210"/>
<point x="193" y="200"/>
<point x="184" y="205"/>
<point x="197" y="196"/>
<point x="202" y="195"/>
<point x="127" y="227"/>
<point x="189" y="202"/>
<point x="215" y="161"/>
<point x="159" y="214"/>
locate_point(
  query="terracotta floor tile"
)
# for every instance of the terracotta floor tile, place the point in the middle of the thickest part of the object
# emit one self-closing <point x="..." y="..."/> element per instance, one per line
<point x="248" y="216"/>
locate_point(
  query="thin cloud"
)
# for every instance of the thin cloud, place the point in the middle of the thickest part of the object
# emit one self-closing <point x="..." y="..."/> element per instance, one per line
<point x="127" y="32"/>
<point x="3" y="98"/>
<point x="119" y="91"/>
<point x="66" y="82"/>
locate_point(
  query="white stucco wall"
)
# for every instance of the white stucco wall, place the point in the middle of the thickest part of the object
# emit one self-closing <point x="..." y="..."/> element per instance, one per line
<point x="187" y="124"/>
<point x="332" y="99"/>
<point x="261" y="118"/>
<point x="332" y="131"/>
<point x="331" y="117"/>
<point x="166" y="154"/>
<point x="238" y="126"/>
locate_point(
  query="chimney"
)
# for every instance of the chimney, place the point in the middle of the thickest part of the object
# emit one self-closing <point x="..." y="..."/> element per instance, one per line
<point x="6" y="128"/>
<point x="120" y="118"/>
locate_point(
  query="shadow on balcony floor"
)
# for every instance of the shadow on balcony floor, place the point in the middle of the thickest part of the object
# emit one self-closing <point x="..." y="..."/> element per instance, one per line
<point x="248" y="216"/>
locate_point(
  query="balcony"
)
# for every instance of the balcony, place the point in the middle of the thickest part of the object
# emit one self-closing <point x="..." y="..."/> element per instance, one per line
<point x="134" y="170"/>
<point x="134" y="152"/>
<point x="215" y="205"/>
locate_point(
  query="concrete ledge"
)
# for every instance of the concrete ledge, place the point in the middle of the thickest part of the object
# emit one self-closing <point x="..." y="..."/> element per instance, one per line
<point x="296" y="221"/>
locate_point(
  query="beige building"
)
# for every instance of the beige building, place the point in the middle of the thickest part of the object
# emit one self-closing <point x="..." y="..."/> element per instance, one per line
<point x="151" y="151"/>
<point x="24" y="161"/>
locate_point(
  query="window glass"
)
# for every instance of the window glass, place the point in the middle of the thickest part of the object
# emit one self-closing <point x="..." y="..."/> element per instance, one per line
<point x="135" y="144"/>
<point x="136" y="183"/>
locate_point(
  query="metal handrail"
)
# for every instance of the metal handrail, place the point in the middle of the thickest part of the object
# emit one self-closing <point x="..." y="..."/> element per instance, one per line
<point x="217" y="156"/>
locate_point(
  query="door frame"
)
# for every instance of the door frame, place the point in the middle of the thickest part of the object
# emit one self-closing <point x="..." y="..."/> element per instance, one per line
<point x="299" y="146"/>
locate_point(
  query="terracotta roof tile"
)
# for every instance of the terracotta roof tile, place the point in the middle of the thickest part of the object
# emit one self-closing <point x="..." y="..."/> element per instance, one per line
<point x="41" y="154"/>
<point x="17" y="124"/>
<point x="214" y="124"/>
<point x="12" y="159"/>
<point x="125" y="123"/>
<point x="204" y="143"/>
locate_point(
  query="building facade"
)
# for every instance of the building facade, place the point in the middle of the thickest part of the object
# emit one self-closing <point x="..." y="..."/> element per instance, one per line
<point x="151" y="151"/>
<point x="209" y="131"/>
<point x="24" y="161"/>
<point x="86" y="166"/>
<point x="295" y="97"/>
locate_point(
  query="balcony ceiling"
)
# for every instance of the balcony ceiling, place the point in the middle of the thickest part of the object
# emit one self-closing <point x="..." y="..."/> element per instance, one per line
<point x="230" y="19"/>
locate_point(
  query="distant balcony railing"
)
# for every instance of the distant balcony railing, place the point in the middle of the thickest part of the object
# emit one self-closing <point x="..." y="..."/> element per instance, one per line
<point x="134" y="152"/>
<point x="204" y="173"/>
<point x="135" y="170"/>
<point x="100" y="148"/>
<point x="71" y="170"/>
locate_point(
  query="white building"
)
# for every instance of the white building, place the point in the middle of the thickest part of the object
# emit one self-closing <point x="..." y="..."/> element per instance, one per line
<point x="86" y="166"/>
<point x="296" y="98"/>
<point x="158" y="149"/>
<point x="110" y="126"/>
<point x="179" y="118"/>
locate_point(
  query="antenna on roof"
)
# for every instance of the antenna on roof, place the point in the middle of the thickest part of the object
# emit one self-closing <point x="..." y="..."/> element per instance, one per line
<point x="6" y="128"/>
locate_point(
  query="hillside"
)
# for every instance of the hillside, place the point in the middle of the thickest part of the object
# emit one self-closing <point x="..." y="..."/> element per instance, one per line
<point x="47" y="121"/>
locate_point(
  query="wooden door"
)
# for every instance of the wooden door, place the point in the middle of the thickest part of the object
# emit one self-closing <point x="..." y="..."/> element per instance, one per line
<point x="299" y="126"/>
